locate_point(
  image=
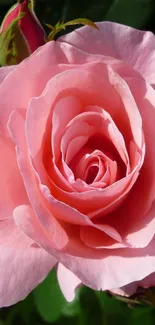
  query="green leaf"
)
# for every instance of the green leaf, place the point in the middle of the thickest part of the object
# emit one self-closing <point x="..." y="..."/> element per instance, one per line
<point x="91" y="310"/>
<point x="143" y="316"/>
<point x="116" y="312"/>
<point x="26" y="310"/>
<point x="48" y="298"/>
<point x="1" y="322"/>
<point x="73" y="308"/>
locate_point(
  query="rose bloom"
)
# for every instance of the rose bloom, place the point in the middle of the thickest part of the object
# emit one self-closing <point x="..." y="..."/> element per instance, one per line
<point x="77" y="167"/>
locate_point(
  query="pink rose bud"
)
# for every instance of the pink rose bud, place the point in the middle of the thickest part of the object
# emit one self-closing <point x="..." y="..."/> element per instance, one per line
<point x="21" y="33"/>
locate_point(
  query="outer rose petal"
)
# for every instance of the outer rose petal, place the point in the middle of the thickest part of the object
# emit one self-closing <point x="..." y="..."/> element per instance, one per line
<point x="36" y="72"/>
<point x="120" y="273"/>
<point x="117" y="41"/>
<point x="131" y="288"/>
<point x="53" y="228"/>
<point x="4" y="71"/>
<point x="10" y="194"/>
<point x="22" y="266"/>
<point x="120" y="267"/>
<point x="12" y="191"/>
<point x="138" y="219"/>
<point x="104" y="271"/>
<point x="68" y="282"/>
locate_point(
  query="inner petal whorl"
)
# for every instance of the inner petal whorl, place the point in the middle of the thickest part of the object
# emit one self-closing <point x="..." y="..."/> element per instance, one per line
<point x="91" y="174"/>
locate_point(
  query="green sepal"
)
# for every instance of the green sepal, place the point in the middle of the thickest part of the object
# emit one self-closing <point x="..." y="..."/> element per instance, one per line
<point x="13" y="46"/>
<point x="61" y="25"/>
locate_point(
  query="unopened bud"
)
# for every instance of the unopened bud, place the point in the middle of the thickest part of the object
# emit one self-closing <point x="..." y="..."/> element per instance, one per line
<point x="21" y="33"/>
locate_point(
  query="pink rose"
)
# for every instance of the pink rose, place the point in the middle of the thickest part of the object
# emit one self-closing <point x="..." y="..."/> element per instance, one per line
<point x="77" y="166"/>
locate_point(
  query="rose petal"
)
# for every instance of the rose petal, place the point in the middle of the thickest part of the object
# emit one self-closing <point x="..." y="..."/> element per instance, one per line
<point x="4" y="71"/>
<point x="104" y="271"/>
<point x="132" y="46"/>
<point x="139" y="221"/>
<point x="96" y="236"/>
<point x="55" y="88"/>
<point x="94" y="123"/>
<point x="64" y="111"/>
<point x="53" y="228"/>
<point x="22" y="267"/>
<point x="36" y="72"/>
<point x="131" y="288"/>
<point x="68" y="282"/>
<point x="116" y="270"/>
<point x="124" y="264"/>
<point x="12" y="191"/>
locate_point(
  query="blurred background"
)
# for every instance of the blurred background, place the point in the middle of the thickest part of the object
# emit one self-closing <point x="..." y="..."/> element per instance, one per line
<point x="136" y="13"/>
<point x="46" y="304"/>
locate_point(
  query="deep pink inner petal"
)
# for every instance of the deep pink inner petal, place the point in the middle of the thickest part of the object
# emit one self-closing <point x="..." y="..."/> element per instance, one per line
<point x="91" y="174"/>
<point x="86" y="133"/>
